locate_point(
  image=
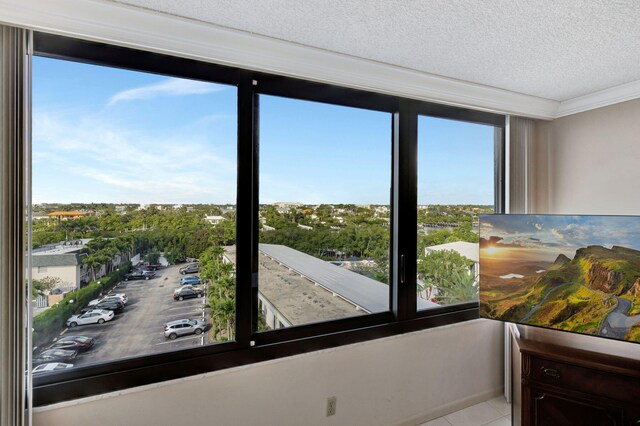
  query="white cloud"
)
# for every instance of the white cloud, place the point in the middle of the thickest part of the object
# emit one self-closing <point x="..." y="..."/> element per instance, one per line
<point x="95" y="156"/>
<point x="168" y="87"/>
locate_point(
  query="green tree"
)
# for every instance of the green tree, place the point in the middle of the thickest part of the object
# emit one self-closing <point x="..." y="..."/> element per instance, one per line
<point x="152" y="257"/>
<point x="443" y="274"/>
<point x="44" y="284"/>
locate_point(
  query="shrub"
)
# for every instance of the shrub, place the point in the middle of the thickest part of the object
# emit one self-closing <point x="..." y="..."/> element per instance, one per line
<point x="50" y="322"/>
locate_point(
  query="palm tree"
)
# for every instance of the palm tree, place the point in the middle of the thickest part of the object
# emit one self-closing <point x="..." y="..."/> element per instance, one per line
<point x="94" y="261"/>
<point x="458" y="287"/>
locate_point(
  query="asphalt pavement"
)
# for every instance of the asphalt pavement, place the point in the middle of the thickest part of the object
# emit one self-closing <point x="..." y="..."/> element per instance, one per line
<point x="139" y="330"/>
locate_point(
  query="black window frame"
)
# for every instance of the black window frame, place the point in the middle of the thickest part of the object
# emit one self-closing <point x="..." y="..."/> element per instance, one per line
<point x="249" y="346"/>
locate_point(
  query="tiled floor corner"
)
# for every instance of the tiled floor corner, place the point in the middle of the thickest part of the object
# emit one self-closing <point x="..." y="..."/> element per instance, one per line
<point x="493" y="412"/>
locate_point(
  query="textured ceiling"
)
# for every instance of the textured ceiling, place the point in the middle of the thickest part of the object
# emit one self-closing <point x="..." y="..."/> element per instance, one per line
<point x="556" y="49"/>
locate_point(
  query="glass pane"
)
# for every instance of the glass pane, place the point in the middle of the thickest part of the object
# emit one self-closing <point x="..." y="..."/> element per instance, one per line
<point x="455" y="184"/>
<point x="134" y="181"/>
<point x="324" y="212"/>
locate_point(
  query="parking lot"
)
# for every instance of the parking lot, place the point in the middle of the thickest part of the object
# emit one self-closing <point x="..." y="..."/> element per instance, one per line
<point x="139" y="329"/>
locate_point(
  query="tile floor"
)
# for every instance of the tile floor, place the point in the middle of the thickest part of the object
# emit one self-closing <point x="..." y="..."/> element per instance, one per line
<point x="494" y="412"/>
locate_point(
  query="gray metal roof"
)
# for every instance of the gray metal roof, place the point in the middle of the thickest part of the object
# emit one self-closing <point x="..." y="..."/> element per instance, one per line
<point x="369" y="294"/>
<point x="71" y="259"/>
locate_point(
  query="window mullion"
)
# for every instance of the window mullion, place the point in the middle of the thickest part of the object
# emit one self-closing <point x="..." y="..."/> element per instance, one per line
<point x="247" y="213"/>
<point x="405" y="143"/>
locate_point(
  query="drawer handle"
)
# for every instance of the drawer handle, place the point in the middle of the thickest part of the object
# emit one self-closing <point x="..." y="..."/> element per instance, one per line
<point x="551" y="372"/>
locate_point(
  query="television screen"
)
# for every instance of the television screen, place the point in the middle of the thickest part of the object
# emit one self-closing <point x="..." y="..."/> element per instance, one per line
<point x="572" y="273"/>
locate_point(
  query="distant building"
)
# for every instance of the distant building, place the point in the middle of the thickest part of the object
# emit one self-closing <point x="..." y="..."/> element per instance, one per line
<point x="39" y="215"/>
<point x="308" y="228"/>
<point x="62" y="261"/>
<point x="63" y="215"/>
<point x="214" y="220"/>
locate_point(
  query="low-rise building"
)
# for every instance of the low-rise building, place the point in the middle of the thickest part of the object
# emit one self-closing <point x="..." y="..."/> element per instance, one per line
<point x="62" y="261"/>
<point x="214" y="220"/>
<point x="64" y="215"/>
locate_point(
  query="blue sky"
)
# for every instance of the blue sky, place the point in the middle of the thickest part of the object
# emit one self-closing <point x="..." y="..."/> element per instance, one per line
<point x="108" y="135"/>
<point x="550" y="235"/>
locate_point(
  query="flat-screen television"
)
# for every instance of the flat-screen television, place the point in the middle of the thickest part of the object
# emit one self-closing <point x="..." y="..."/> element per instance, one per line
<point x="573" y="273"/>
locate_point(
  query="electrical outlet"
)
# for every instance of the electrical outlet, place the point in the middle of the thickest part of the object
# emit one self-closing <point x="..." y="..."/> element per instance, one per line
<point x="331" y="406"/>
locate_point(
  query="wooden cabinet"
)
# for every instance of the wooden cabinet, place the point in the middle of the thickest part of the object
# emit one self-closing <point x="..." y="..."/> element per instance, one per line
<point x="568" y="386"/>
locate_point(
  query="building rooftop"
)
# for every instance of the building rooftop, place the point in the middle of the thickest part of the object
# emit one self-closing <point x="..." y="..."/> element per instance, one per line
<point x="68" y="259"/>
<point x="364" y="292"/>
<point x="61" y="248"/>
<point x="61" y="213"/>
<point x="302" y="287"/>
<point x="299" y="300"/>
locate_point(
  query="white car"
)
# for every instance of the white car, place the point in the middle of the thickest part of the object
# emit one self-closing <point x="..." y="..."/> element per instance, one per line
<point x="49" y="367"/>
<point x="96" y="316"/>
<point x="183" y="327"/>
<point x="123" y="298"/>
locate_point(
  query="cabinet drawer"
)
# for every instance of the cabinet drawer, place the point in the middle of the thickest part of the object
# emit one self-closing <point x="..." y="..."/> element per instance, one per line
<point x="581" y="379"/>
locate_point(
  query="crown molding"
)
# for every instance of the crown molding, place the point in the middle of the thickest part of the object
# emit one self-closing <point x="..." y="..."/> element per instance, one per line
<point x="602" y="98"/>
<point x="143" y="29"/>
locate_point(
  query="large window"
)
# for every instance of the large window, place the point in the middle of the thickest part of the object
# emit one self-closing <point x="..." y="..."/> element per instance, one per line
<point x="324" y="212"/>
<point x="198" y="217"/>
<point x="134" y="188"/>
<point x="456" y="183"/>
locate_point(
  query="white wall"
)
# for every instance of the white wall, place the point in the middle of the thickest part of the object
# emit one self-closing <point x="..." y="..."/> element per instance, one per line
<point x="593" y="162"/>
<point x="588" y="163"/>
<point x="402" y="379"/>
<point x="69" y="275"/>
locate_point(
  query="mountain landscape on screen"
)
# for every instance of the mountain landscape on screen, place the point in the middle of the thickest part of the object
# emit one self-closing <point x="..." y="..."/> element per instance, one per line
<point x="572" y="273"/>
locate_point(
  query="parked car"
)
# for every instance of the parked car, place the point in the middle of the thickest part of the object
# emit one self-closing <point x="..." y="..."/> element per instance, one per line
<point x="78" y="343"/>
<point x="189" y="269"/>
<point x="182" y="327"/>
<point x="92" y="317"/>
<point x="115" y="296"/>
<point x="188" y="292"/>
<point x="111" y="304"/>
<point x="49" y="367"/>
<point x="139" y="274"/>
<point x="151" y="267"/>
<point x="191" y="279"/>
<point x="54" y="355"/>
<point x="189" y="286"/>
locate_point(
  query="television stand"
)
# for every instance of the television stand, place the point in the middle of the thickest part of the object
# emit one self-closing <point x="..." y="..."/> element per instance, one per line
<point x="568" y="386"/>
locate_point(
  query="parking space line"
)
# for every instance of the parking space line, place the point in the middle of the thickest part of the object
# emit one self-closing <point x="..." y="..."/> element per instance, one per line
<point x="179" y="339"/>
<point x="180" y="316"/>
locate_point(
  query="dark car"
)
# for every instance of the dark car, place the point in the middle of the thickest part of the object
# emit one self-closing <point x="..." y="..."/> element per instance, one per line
<point x="77" y="343"/>
<point x="190" y="269"/>
<point x="112" y="305"/>
<point x="139" y="274"/>
<point x="151" y="267"/>
<point x="54" y="355"/>
<point x="109" y="303"/>
<point x="187" y="293"/>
